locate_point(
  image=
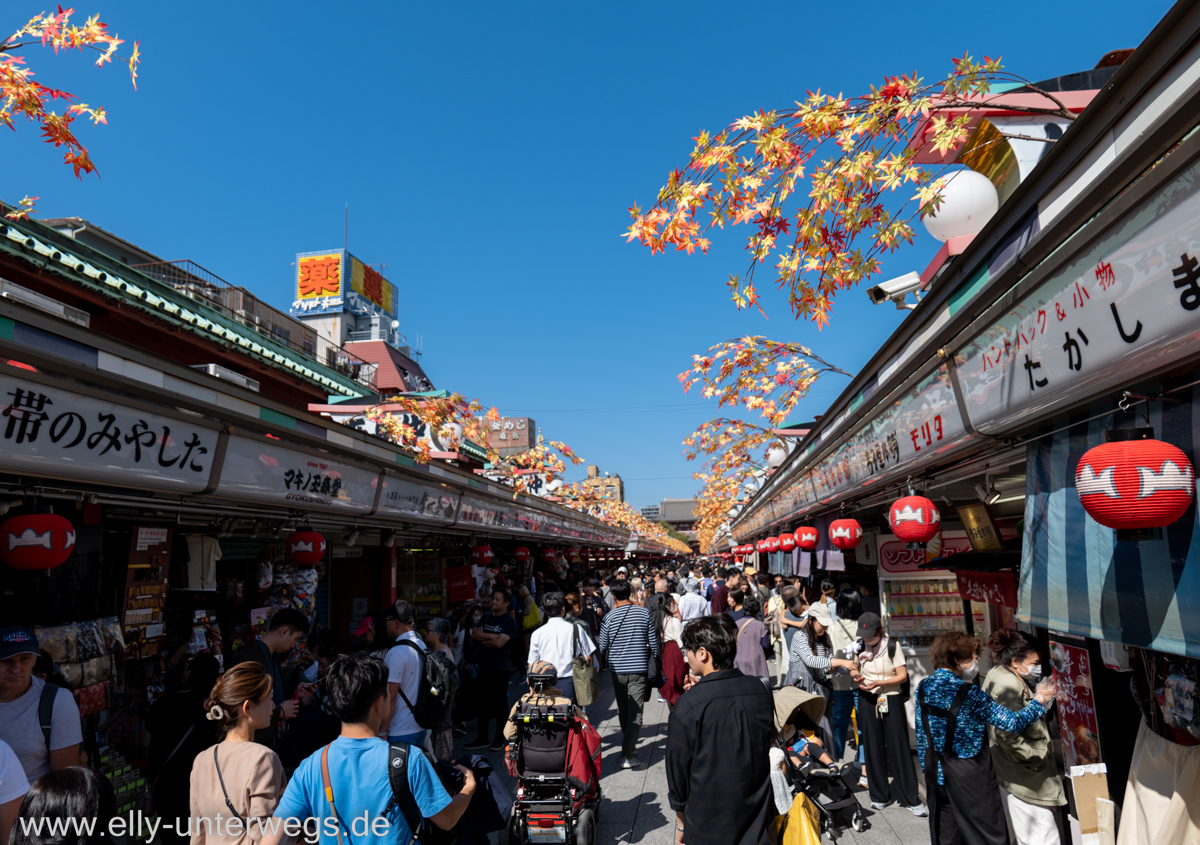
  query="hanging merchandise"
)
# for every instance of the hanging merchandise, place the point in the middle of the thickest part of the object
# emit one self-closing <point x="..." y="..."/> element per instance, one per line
<point x="265" y="573"/>
<point x="845" y="533"/>
<point x="772" y="544"/>
<point x="1135" y="484"/>
<point x="549" y="555"/>
<point x="915" y="520"/>
<point x="36" y="541"/>
<point x="481" y="555"/>
<point x="807" y="538"/>
<point x="787" y="542"/>
<point x="521" y="554"/>
<point x="305" y="548"/>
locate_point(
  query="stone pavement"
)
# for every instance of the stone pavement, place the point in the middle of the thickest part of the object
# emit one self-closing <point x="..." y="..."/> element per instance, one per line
<point x="635" y="807"/>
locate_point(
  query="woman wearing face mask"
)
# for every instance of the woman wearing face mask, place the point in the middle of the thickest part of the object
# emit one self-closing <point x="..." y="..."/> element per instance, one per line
<point x="952" y="715"/>
<point x="1031" y="785"/>
<point x="882" y="719"/>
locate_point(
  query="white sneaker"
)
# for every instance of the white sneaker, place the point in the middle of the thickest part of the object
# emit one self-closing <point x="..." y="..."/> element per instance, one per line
<point x="878" y="805"/>
<point x="628" y="763"/>
<point x="918" y="810"/>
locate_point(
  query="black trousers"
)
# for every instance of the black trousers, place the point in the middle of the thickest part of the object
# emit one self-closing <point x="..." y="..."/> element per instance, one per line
<point x="630" y="694"/>
<point x="885" y="740"/>
<point x="493" y="704"/>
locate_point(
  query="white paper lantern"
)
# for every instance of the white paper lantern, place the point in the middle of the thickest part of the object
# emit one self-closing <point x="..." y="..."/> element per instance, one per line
<point x="969" y="201"/>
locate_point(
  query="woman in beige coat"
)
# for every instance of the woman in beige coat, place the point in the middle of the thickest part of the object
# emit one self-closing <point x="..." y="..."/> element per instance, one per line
<point x="237" y="780"/>
<point x="1030" y="784"/>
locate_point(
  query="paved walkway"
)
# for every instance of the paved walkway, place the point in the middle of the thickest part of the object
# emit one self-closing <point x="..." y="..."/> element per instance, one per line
<point x="635" y="807"/>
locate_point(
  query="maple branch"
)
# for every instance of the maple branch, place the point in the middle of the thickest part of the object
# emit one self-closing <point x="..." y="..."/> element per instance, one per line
<point x="1026" y="138"/>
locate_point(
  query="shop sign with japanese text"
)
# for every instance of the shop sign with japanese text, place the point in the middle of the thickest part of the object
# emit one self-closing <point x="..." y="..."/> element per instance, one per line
<point x="896" y="557"/>
<point x="911" y="431"/>
<point x="1129" y="303"/>
<point x="416" y="501"/>
<point x="263" y="472"/>
<point x="59" y="433"/>
<point x="1076" y="705"/>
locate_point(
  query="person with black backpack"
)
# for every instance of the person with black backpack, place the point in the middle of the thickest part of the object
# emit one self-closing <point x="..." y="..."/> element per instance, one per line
<point x="38" y="720"/>
<point x="406" y="664"/>
<point x="882" y="678"/>
<point x="360" y="789"/>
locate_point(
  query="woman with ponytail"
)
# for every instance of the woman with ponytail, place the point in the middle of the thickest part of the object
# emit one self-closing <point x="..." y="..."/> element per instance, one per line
<point x="237" y="779"/>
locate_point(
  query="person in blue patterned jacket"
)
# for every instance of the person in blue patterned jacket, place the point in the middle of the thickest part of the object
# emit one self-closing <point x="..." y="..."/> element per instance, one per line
<point x="960" y="785"/>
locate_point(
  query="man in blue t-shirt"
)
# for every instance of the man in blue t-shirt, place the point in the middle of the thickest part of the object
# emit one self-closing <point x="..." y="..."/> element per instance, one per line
<point x="356" y="686"/>
<point x="496" y="633"/>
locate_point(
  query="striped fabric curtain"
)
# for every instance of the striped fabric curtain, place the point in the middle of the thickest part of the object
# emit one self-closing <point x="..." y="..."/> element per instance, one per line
<point x="1076" y="578"/>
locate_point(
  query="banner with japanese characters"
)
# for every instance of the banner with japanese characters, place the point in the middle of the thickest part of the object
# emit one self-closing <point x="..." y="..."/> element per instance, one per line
<point x="53" y="432"/>
<point x="1076" y="705"/>
<point x="1127" y="303"/>
<point x="905" y="434"/>
<point x="258" y="471"/>
<point x="417" y="501"/>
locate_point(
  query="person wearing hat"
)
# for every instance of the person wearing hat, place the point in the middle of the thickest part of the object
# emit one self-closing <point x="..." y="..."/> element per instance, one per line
<point x="543" y="689"/>
<point x="881" y="676"/>
<point x="22" y="697"/>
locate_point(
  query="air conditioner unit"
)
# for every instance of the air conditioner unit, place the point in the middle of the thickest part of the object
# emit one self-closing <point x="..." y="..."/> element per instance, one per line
<point x="217" y="371"/>
<point x="41" y="302"/>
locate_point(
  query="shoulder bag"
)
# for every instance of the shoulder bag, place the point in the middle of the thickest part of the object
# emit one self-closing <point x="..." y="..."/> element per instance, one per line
<point x="144" y="802"/>
<point x="587" y="677"/>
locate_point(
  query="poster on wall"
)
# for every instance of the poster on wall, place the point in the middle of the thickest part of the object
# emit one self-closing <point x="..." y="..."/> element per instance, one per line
<point x="1076" y="704"/>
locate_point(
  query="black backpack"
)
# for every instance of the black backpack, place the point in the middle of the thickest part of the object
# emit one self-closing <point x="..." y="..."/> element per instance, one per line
<point x="439" y="679"/>
<point x="906" y="687"/>
<point x="423" y="830"/>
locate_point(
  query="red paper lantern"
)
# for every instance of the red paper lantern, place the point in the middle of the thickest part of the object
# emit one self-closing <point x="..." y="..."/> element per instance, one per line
<point x="845" y="533"/>
<point x="807" y="538"/>
<point x="549" y="555"/>
<point x="305" y="548"/>
<point x="572" y="554"/>
<point x="482" y="555"/>
<point x="787" y="542"/>
<point x="1132" y="484"/>
<point x="760" y="546"/>
<point x="36" y="541"/>
<point x="521" y="554"/>
<point x="914" y="519"/>
<point x="772" y="544"/>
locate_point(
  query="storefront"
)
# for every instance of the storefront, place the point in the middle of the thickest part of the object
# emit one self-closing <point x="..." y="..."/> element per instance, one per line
<point x="184" y="510"/>
<point x="1067" y="323"/>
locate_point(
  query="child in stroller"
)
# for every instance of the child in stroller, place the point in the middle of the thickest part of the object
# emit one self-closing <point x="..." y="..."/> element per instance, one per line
<point x="554" y="752"/>
<point x="809" y="770"/>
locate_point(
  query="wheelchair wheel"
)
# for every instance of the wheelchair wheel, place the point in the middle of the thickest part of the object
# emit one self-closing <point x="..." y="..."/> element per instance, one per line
<point x="585" y="827"/>
<point x="516" y="830"/>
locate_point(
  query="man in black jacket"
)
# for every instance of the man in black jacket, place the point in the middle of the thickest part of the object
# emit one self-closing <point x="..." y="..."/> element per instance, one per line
<point x="718" y="738"/>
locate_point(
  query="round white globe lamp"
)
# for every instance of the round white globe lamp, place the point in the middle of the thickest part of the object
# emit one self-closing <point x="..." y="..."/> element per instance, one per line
<point x="969" y="200"/>
<point x="776" y="456"/>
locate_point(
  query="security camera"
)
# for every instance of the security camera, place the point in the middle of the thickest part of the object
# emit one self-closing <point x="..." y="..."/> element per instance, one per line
<point x="897" y="291"/>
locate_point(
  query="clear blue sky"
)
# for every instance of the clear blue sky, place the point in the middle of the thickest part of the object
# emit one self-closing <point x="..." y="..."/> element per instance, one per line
<point x="488" y="153"/>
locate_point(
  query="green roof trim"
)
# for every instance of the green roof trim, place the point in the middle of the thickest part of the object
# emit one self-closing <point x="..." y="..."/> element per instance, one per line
<point x="967" y="290"/>
<point x="282" y="420"/>
<point x="405" y="461"/>
<point x="91" y="269"/>
<point x="6" y="328"/>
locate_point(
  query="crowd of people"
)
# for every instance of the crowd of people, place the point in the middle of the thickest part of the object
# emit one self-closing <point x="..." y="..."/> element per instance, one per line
<point x="260" y="742"/>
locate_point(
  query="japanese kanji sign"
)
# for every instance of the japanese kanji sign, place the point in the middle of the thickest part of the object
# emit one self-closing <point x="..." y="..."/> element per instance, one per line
<point x="998" y="588"/>
<point x="318" y="276"/>
<point x="418" y="501"/>
<point x="263" y="472"/>
<point x="54" y="432"/>
<point x="1130" y="297"/>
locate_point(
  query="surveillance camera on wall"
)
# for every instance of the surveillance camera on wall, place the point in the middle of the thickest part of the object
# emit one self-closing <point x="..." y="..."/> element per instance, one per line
<point x="897" y="291"/>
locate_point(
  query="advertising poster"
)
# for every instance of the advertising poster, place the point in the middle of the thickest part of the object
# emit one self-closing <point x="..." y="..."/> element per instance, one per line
<point x="1076" y="704"/>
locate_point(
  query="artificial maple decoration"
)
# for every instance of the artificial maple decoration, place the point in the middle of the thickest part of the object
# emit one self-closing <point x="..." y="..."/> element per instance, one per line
<point x="21" y="96"/>
<point x="814" y="181"/>
<point x="618" y="514"/>
<point x="541" y="463"/>
<point x="757" y="376"/>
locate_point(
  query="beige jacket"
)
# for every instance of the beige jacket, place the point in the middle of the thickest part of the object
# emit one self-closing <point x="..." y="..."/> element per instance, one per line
<point x="253" y="778"/>
<point x="1024" y="763"/>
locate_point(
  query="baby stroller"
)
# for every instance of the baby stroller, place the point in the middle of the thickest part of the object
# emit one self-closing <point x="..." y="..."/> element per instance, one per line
<point x="797" y="711"/>
<point x="556" y="760"/>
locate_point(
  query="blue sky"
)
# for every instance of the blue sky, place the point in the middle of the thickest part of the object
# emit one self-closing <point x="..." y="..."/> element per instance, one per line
<point x="488" y="153"/>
